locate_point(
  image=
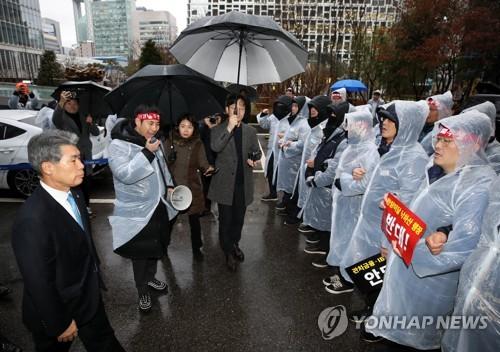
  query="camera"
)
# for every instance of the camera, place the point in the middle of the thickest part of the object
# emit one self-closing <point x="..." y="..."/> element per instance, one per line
<point x="254" y="156"/>
<point x="72" y="94"/>
<point x="213" y="119"/>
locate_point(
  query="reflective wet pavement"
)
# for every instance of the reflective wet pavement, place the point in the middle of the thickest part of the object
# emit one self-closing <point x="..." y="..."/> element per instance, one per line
<point x="271" y="303"/>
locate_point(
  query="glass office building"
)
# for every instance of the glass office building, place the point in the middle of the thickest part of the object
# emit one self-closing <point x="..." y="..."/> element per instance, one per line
<point x="21" y="39"/>
<point x="112" y="27"/>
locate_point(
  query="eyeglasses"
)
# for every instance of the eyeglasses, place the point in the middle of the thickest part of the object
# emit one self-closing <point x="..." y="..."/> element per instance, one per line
<point x="445" y="141"/>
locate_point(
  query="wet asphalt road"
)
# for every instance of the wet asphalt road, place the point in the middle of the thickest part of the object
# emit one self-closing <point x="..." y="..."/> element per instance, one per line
<point x="271" y="303"/>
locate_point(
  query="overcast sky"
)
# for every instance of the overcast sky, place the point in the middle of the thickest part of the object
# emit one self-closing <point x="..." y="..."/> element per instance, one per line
<point x="62" y="11"/>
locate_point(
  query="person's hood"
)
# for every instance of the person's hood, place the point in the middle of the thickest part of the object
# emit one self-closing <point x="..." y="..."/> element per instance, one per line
<point x="489" y="109"/>
<point x="365" y="107"/>
<point x="301" y="102"/>
<point x="342" y="92"/>
<point x="469" y="129"/>
<point x="445" y="104"/>
<point x="359" y="125"/>
<point x="282" y="106"/>
<point x="336" y="114"/>
<point x="125" y="130"/>
<point x="320" y="103"/>
<point x="411" y="117"/>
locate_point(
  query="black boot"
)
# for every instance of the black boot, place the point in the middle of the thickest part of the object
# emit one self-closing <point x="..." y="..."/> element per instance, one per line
<point x="238" y="253"/>
<point x="231" y="262"/>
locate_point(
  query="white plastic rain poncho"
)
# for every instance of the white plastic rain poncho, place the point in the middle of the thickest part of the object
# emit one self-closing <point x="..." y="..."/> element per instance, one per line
<point x="312" y="140"/>
<point x="290" y="157"/>
<point x="479" y="287"/>
<point x="139" y="187"/>
<point x="275" y="126"/>
<point x="317" y="210"/>
<point x="361" y="152"/>
<point x="444" y="103"/>
<point x="429" y="285"/>
<point x="493" y="147"/>
<point x="44" y="118"/>
<point x="400" y="171"/>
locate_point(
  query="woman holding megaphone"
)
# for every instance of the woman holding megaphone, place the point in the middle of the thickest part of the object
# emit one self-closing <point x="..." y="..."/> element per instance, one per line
<point x="187" y="161"/>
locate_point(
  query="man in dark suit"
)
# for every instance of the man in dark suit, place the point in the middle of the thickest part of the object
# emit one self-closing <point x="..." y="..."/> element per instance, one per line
<point x="55" y="253"/>
<point x="231" y="187"/>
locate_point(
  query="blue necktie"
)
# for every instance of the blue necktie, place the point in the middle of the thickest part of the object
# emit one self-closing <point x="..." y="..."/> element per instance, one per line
<point x="75" y="210"/>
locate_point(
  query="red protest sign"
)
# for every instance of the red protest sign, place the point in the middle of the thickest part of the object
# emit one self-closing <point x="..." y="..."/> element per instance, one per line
<point x="400" y="224"/>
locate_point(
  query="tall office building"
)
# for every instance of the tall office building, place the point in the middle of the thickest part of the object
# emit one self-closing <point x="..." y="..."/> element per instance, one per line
<point x="52" y="35"/>
<point x="82" y="10"/>
<point x="197" y="9"/>
<point x="21" y="39"/>
<point x="112" y="27"/>
<point x="321" y="26"/>
<point x="159" y="26"/>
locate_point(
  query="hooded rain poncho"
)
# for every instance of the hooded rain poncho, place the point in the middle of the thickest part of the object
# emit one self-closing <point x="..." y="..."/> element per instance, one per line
<point x="361" y="152"/>
<point x="400" y="171"/>
<point x="429" y="285"/>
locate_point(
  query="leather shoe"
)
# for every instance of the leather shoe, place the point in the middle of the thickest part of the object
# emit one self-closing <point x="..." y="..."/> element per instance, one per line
<point x="238" y="253"/>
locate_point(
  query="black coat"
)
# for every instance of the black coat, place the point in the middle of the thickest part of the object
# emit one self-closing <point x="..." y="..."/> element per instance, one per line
<point x="58" y="263"/>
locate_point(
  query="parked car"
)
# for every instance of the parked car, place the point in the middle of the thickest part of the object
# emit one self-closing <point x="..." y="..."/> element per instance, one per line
<point x="481" y="98"/>
<point x="16" y="129"/>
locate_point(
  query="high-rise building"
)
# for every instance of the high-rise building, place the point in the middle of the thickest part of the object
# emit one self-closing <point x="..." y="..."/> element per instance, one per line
<point x="197" y="9"/>
<point x="21" y="39"/>
<point x="82" y="10"/>
<point x="321" y="26"/>
<point x="52" y="35"/>
<point x="159" y="26"/>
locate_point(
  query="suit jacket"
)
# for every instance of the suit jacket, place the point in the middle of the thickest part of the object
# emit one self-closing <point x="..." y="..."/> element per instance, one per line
<point x="58" y="262"/>
<point x="222" y="183"/>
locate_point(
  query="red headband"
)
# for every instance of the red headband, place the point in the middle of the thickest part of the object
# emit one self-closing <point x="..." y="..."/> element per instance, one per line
<point x="148" y="116"/>
<point x="445" y="132"/>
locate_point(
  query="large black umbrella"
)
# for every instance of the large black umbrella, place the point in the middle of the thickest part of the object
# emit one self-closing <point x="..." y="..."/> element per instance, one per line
<point x="240" y="48"/>
<point x="90" y="96"/>
<point x="249" y="92"/>
<point x="174" y="89"/>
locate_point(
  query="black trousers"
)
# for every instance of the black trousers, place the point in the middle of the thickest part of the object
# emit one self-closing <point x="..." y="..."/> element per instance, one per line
<point x="194" y="225"/>
<point x="144" y="271"/>
<point x="206" y="186"/>
<point x="269" y="173"/>
<point x="231" y="219"/>
<point x="97" y="336"/>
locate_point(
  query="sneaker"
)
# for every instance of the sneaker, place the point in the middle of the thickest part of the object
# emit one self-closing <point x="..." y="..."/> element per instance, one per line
<point x="359" y="316"/>
<point x="145" y="302"/>
<point x="269" y="198"/>
<point x="157" y="285"/>
<point x="339" y="287"/>
<point x="280" y="206"/>
<point x="314" y="249"/>
<point x="312" y="237"/>
<point x="331" y="279"/>
<point x="368" y="336"/>
<point x="321" y="263"/>
<point x="291" y="220"/>
<point x="306" y="228"/>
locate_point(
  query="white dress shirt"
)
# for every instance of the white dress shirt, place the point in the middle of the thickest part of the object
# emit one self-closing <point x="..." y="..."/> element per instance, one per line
<point x="61" y="197"/>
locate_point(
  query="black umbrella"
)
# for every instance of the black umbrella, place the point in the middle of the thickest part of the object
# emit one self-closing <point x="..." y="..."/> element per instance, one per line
<point x="90" y="96"/>
<point x="174" y="89"/>
<point x="248" y="91"/>
<point x="240" y="48"/>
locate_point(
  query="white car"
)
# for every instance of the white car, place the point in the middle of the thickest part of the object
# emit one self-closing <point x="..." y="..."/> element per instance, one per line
<point x="16" y="129"/>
